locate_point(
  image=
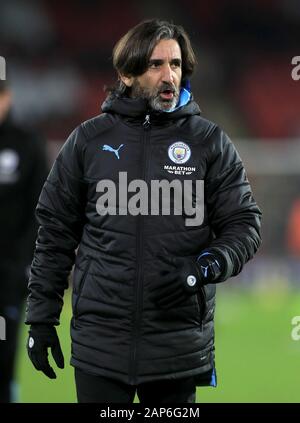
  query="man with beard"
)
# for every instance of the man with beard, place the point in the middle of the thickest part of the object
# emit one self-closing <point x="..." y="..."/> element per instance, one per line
<point x="23" y="170"/>
<point x="144" y="284"/>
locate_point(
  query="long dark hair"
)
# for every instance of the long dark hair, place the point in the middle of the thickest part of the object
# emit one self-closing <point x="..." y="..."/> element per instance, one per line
<point x="132" y="52"/>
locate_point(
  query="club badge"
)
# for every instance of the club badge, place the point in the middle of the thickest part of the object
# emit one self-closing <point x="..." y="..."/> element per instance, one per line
<point x="179" y="152"/>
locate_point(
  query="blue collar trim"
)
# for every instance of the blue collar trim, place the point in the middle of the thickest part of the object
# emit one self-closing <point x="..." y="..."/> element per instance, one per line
<point x="184" y="98"/>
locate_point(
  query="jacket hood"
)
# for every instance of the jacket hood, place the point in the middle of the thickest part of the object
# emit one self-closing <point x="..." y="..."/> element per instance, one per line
<point x="139" y="107"/>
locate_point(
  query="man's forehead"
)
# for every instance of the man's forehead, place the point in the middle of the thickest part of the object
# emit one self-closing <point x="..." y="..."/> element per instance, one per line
<point x="166" y="49"/>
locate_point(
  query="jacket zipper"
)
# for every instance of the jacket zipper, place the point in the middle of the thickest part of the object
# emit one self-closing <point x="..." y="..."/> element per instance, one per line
<point x="82" y="282"/>
<point x="139" y="248"/>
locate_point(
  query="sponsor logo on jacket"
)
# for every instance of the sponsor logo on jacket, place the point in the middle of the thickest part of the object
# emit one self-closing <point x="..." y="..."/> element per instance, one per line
<point x="180" y="170"/>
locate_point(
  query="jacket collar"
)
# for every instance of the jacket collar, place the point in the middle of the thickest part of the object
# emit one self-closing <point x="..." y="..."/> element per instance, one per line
<point x="138" y="108"/>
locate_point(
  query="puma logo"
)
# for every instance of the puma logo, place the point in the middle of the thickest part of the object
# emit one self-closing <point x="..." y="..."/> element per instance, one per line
<point x="109" y="148"/>
<point x="205" y="270"/>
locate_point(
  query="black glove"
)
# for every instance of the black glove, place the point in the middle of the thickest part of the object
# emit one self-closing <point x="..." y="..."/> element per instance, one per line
<point x="180" y="278"/>
<point x="41" y="337"/>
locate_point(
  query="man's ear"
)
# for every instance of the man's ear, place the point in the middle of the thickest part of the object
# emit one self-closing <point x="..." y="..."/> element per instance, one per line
<point x="127" y="80"/>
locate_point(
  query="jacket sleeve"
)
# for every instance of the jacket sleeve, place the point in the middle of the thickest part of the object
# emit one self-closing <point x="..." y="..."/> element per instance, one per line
<point x="60" y="215"/>
<point x="232" y="211"/>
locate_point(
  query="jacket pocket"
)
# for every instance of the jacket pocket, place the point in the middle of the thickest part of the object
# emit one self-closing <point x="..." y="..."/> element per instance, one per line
<point x="80" y="287"/>
<point x="201" y="304"/>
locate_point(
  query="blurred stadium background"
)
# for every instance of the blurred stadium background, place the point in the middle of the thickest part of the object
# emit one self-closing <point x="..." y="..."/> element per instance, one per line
<point x="58" y="58"/>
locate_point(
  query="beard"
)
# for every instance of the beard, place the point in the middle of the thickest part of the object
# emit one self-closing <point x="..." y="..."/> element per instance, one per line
<point x="153" y="96"/>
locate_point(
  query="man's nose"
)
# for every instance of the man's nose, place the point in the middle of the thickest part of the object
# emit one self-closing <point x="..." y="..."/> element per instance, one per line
<point x="167" y="75"/>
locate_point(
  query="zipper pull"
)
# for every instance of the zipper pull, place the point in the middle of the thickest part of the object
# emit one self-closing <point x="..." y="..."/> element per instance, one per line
<point x="147" y="122"/>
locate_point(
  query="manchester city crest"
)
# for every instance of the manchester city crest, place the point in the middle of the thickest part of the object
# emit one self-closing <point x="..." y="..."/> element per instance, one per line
<point x="179" y="152"/>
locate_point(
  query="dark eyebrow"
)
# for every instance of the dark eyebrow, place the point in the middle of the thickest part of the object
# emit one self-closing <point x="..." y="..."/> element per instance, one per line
<point x="155" y="62"/>
<point x="176" y="62"/>
<point x="160" y="62"/>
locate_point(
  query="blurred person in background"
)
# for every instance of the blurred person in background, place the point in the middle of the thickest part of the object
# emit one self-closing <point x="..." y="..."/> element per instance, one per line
<point x="23" y="170"/>
<point x="143" y="286"/>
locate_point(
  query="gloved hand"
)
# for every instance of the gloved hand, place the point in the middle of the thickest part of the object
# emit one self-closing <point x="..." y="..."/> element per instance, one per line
<point x="41" y="337"/>
<point x="180" y="278"/>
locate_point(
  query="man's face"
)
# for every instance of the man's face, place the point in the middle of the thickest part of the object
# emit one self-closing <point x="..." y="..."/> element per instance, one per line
<point x="160" y="84"/>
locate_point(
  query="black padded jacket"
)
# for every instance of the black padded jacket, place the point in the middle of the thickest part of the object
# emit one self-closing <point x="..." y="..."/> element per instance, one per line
<point x="116" y="330"/>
